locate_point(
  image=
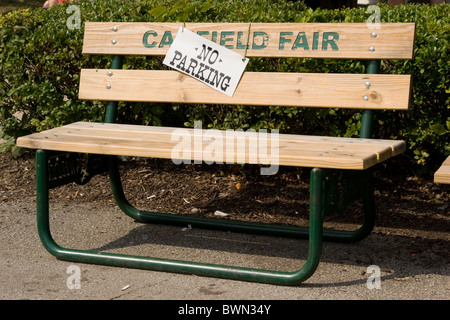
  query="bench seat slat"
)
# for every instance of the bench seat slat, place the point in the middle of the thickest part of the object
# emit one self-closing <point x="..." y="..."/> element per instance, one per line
<point x="139" y="133"/>
<point x="143" y="141"/>
<point x="385" y="92"/>
<point x="442" y="175"/>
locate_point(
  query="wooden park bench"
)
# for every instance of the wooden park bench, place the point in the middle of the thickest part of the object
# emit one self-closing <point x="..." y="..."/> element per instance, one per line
<point x="340" y="167"/>
<point x="442" y="175"/>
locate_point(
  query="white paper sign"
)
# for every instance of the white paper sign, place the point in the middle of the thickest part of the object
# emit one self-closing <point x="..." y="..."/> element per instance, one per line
<point x="218" y="67"/>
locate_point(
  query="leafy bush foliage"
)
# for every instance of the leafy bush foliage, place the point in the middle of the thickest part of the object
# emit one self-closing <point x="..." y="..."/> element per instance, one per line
<point x="40" y="59"/>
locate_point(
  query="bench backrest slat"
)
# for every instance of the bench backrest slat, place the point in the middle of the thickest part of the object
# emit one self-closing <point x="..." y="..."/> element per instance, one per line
<point x="311" y="40"/>
<point x="255" y="88"/>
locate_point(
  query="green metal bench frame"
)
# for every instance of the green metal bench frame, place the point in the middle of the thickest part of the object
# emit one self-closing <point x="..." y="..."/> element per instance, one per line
<point x="315" y="233"/>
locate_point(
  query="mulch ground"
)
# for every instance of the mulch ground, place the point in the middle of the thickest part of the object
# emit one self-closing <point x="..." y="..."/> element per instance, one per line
<point x="403" y="202"/>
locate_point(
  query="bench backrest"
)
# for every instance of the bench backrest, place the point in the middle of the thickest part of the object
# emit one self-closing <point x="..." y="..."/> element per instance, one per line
<point x="294" y="40"/>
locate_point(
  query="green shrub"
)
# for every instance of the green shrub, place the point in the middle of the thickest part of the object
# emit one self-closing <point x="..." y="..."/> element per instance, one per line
<point x="40" y="59"/>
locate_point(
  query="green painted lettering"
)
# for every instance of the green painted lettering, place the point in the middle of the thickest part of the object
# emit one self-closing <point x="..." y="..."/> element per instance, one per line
<point x="145" y="39"/>
<point x="224" y="39"/>
<point x="330" y="38"/>
<point x="260" y="40"/>
<point x="202" y="33"/>
<point x="283" y="40"/>
<point x="315" y="45"/>
<point x="239" y="44"/>
<point x="301" y="42"/>
<point x="166" y="39"/>
<point x="214" y="36"/>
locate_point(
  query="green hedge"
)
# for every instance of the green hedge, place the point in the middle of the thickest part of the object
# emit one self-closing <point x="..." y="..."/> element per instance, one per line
<point x="40" y="59"/>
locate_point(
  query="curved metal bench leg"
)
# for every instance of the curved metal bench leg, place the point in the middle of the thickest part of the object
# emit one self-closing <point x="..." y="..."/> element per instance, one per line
<point x="241" y="226"/>
<point x="202" y="269"/>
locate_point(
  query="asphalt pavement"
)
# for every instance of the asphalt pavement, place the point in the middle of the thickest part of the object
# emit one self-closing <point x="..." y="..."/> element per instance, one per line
<point x="346" y="271"/>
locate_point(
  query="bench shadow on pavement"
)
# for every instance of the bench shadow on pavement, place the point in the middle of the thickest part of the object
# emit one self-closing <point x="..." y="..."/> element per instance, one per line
<point x="397" y="256"/>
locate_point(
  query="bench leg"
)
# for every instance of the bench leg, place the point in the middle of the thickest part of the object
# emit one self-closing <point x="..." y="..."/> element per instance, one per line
<point x="366" y="194"/>
<point x="202" y="269"/>
<point x="248" y="227"/>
